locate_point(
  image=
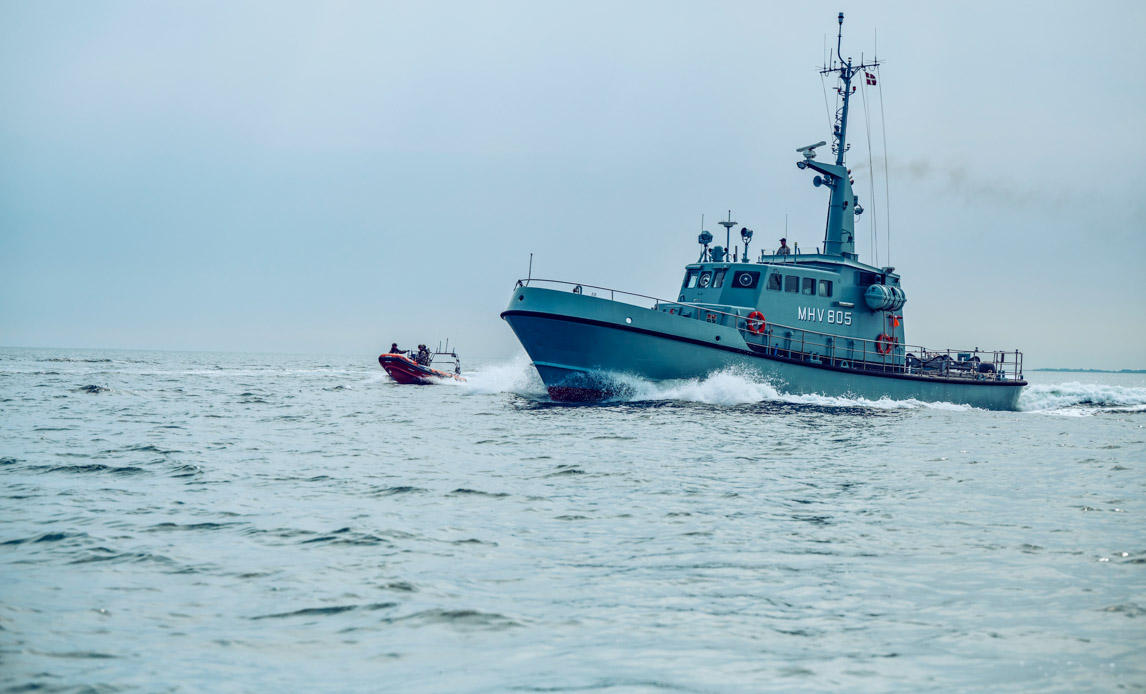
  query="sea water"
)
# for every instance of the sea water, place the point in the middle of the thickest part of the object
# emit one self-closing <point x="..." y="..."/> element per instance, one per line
<point x="189" y="522"/>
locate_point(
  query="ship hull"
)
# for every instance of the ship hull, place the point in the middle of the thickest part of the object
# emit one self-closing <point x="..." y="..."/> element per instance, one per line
<point x="584" y="346"/>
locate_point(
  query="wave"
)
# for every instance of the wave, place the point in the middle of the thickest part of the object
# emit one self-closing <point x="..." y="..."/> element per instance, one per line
<point x="516" y="376"/>
<point x="736" y="387"/>
<point x="732" y="387"/>
<point x="326" y="611"/>
<point x="1081" y="399"/>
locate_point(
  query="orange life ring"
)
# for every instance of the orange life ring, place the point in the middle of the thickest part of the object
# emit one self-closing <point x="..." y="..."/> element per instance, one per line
<point x="755" y="323"/>
<point x="884" y="343"/>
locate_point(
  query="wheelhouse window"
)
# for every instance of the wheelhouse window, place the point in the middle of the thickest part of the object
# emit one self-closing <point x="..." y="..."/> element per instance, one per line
<point x="705" y="279"/>
<point x="718" y="278"/>
<point x="809" y="286"/>
<point x="825" y="287"/>
<point x="791" y="284"/>
<point x="774" y="281"/>
<point x="690" y="279"/>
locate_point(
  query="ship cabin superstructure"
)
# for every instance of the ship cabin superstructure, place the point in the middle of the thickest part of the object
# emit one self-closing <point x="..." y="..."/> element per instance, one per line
<point x="814" y="305"/>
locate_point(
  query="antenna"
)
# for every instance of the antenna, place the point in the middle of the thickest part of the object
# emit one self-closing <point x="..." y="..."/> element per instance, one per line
<point x="728" y="230"/>
<point x="840" y="38"/>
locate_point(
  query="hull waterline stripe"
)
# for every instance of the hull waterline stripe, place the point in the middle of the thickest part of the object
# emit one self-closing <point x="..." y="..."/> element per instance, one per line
<point x="766" y="357"/>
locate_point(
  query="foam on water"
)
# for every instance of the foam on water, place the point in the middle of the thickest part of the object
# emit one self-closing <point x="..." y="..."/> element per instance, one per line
<point x="515" y="376"/>
<point x="734" y="387"/>
<point x="738" y="387"/>
<point x="730" y="387"/>
<point x="1080" y="399"/>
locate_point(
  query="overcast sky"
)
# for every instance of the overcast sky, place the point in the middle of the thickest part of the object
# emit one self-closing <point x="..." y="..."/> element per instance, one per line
<point x="333" y="176"/>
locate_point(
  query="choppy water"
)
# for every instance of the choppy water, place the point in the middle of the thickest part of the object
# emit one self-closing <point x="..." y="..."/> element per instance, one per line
<point x="213" y="522"/>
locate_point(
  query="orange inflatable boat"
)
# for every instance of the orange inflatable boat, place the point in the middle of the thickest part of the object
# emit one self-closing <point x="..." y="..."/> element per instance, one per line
<point x="406" y="371"/>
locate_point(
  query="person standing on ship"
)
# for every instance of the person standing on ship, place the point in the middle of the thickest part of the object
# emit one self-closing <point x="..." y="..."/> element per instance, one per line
<point x="783" y="249"/>
<point x="423" y="357"/>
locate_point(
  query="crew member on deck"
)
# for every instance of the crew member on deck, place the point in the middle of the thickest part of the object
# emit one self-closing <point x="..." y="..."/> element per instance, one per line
<point x="394" y="349"/>
<point x="783" y="249"/>
<point x="423" y="357"/>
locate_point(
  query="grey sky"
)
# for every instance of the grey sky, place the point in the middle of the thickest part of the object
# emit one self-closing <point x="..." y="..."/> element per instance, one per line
<point x="330" y="177"/>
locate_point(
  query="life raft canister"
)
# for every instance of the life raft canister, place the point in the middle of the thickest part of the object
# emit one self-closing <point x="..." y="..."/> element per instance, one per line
<point x="884" y="343"/>
<point x="755" y="323"/>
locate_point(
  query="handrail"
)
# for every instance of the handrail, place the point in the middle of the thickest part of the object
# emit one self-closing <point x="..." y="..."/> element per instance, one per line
<point x="922" y="361"/>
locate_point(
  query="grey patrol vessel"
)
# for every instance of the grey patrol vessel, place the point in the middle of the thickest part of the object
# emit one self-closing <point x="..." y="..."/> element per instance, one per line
<point x="823" y="322"/>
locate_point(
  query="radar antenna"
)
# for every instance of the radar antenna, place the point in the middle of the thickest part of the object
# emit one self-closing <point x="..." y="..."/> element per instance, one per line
<point x="809" y="152"/>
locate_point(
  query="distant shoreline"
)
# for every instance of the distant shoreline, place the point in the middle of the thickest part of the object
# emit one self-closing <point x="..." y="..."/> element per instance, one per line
<point x="1097" y="371"/>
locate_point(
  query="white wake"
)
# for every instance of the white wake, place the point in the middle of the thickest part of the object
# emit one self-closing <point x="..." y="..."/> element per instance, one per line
<point x="735" y="387"/>
<point x="731" y="387"/>
<point x="1076" y="398"/>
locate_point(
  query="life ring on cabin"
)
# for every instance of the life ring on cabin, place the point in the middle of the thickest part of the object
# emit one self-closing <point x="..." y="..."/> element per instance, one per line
<point x="755" y="323"/>
<point x="885" y="343"/>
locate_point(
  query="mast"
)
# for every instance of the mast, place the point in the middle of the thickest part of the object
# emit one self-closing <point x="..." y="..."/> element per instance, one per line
<point x="843" y="205"/>
<point x="846" y="74"/>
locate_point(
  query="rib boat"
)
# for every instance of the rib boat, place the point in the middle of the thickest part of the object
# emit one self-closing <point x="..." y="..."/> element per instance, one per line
<point x="406" y="371"/>
<point x="809" y="323"/>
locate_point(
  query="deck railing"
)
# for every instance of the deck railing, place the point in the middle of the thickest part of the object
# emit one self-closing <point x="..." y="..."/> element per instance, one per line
<point x="820" y="348"/>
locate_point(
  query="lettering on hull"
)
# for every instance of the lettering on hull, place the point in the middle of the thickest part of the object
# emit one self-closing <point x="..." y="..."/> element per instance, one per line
<point x="819" y="314"/>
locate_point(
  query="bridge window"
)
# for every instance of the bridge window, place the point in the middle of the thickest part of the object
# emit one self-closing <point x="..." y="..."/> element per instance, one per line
<point x="809" y="286"/>
<point x="690" y="279"/>
<point x="718" y="278"/>
<point x="825" y="287"/>
<point x="791" y="284"/>
<point x="774" y="281"/>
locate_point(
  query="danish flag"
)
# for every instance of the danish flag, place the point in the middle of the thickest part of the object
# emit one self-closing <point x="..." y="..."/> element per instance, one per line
<point x="870" y="78"/>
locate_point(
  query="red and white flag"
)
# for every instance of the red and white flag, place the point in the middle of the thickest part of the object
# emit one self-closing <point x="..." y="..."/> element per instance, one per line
<point x="870" y="78"/>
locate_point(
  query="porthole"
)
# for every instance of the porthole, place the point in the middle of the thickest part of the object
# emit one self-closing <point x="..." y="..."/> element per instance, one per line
<point x="629" y="321"/>
<point x="718" y="338"/>
<point x="521" y="297"/>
